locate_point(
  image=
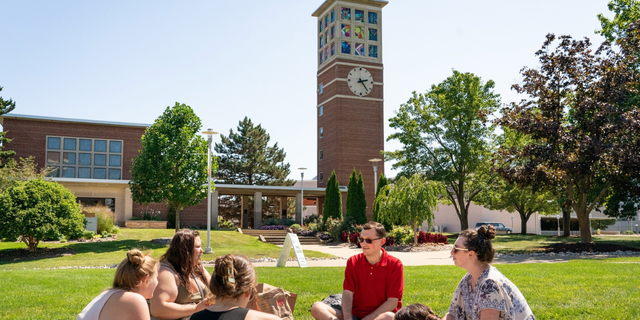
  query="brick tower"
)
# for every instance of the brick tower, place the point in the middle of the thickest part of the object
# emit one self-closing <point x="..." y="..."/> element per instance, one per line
<point x="350" y="101"/>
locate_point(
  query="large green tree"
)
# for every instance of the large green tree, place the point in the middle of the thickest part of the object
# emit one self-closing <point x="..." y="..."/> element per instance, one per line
<point x="583" y="127"/>
<point x="361" y="213"/>
<point x="626" y="13"/>
<point x="356" y="202"/>
<point x="382" y="181"/>
<point x="6" y="106"/>
<point x="38" y="210"/>
<point x="446" y="136"/>
<point x="411" y="201"/>
<point x="172" y="165"/>
<point x="332" y="207"/>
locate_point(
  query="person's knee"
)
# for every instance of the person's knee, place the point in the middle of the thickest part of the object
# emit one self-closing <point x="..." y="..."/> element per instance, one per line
<point x="317" y="308"/>
<point x="386" y="316"/>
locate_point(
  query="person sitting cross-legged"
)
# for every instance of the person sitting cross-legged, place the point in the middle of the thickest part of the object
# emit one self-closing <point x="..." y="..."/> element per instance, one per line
<point x="373" y="282"/>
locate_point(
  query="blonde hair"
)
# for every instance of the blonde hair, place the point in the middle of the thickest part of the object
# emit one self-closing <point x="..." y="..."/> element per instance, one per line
<point x="133" y="269"/>
<point x="232" y="276"/>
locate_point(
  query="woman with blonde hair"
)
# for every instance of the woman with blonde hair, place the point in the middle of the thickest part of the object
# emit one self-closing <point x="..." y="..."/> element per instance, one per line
<point x="182" y="280"/>
<point x="135" y="281"/>
<point x="483" y="293"/>
<point x="233" y="284"/>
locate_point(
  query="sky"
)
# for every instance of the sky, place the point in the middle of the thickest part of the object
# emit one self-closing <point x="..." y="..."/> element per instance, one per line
<point x="127" y="61"/>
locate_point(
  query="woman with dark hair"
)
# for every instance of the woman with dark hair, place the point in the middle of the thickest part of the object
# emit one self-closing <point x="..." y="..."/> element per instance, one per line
<point x="134" y="282"/>
<point x="182" y="279"/>
<point x="233" y="285"/>
<point x="416" y="311"/>
<point x="483" y="293"/>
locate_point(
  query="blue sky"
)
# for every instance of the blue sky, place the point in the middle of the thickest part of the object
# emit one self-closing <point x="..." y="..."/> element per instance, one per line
<point x="127" y="61"/>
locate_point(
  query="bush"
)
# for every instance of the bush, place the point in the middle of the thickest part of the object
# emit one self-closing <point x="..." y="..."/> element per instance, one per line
<point x="390" y="241"/>
<point x="88" y="234"/>
<point x="402" y="235"/>
<point x="426" y="237"/>
<point x="224" y="224"/>
<point x="115" y="230"/>
<point x="274" y="227"/>
<point x="104" y="215"/>
<point x="313" y="226"/>
<point x="627" y="232"/>
<point x="325" y="236"/>
<point x="296" y="226"/>
<point x="333" y="227"/>
<point x="305" y="233"/>
<point x="311" y="219"/>
<point x="353" y="238"/>
<point x="275" y="221"/>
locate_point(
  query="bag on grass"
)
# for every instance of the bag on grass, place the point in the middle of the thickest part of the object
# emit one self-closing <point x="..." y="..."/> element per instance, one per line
<point x="273" y="300"/>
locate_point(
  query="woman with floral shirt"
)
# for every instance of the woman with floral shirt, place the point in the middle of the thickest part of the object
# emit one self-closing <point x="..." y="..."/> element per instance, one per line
<point x="483" y="293"/>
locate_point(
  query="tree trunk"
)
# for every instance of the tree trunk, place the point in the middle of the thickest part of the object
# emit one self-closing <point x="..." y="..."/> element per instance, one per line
<point x="415" y="233"/>
<point x="464" y="220"/>
<point x="177" y="219"/>
<point x="585" y="228"/>
<point x="566" y="221"/>
<point x="31" y="243"/>
<point x="523" y="222"/>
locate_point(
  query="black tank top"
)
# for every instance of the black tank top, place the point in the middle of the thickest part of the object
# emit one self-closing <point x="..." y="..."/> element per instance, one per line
<point x="233" y="314"/>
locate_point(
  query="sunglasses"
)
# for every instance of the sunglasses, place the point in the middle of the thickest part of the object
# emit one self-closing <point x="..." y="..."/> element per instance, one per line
<point x="369" y="241"/>
<point x="456" y="249"/>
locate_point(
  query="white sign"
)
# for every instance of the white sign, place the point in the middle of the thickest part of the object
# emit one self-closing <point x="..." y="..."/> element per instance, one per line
<point x="289" y="242"/>
<point x="92" y="224"/>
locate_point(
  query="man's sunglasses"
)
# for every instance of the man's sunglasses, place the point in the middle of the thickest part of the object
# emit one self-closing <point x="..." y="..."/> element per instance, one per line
<point x="455" y="249"/>
<point x="369" y="241"/>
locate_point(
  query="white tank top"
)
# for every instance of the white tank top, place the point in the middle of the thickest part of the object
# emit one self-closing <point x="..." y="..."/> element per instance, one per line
<point x="93" y="309"/>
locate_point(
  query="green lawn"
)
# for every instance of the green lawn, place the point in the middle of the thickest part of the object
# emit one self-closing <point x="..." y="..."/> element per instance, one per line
<point x="107" y="253"/>
<point x="579" y="289"/>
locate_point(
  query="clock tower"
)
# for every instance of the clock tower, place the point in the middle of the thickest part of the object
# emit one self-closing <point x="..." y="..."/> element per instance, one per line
<point x="350" y="105"/>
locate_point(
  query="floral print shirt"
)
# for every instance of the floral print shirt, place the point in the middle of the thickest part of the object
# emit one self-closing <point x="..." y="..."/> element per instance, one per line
<point x="492" y="291"/>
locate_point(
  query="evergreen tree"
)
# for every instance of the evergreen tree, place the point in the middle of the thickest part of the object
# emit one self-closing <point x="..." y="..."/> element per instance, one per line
<point x="361" y="203"/>
<point x="6" y="106"/>
<point x="332" y="199"/>
<point x="352" y="194"/>
<point x="376" y="207"/>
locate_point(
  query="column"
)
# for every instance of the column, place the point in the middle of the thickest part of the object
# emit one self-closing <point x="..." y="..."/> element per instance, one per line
<point x="128" y="204"/>
<point x="257" y="210"/>
<point x="244" y="211"/>
<point x="214" y="208"/>
<point x="283" y="206"/>
<point x="299" y="208"/>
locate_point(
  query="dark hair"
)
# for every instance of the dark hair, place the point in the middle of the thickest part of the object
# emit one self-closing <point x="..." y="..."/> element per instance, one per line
<point x="232" y="276"/>
<point x="416" y="311"/>
<point x="480" y="242"/>
<point x="380" y="231"/>
<point x="133" y="268"/>
<point x="180" y="256"/>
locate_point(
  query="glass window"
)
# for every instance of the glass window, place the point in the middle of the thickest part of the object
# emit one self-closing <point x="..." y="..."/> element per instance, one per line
<point x="326" y="20"/>
<point x="346" y="30"/>
<point x="346" y="13"/>
<point x="53" y="158"/>
<point x="69" y="158"/>
<point x="53" y="143"/>
<point x="321" y="132"/>
<point x="114" y="160"/>
<point x="84" y="173"/>
<point x="346" y="47"/>
<point x="333" y="15"/>
<point x="99" y="159"/>
<point x="373" y="51"/>
<point x="321" y="176"/>
<point x="69" y="144"/>
<point x="373" y="18"/>
<point x="320" y="25"/>
<point x="114" y="174"/>
<point x="333" y="48"/>
<point x="359" y="49"/>
<point x="373" y="34"/>
<point x="320" y="88"/>
<point x="359" y="15"/>
<point x="100" y="145"/>
<point x="69" y="172"/>
<point x="321" y="110"/>
<point x="115" y="146"/>
<point x="333" y="32"/>
<point x="99" y="173"/>
<point x="85" y="145"/>
<point x="326" y="53"/>
<point x="55" y="173"/>
<point x="321" y="57"/>
<point x="84" y="159"/>
<point x="359" y="32"/>
<point x="321" y="42"/>
<point x="321" y="154"/>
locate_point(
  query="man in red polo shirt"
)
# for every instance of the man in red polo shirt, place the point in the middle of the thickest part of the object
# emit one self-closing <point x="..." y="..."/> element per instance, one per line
<point x="373" y="282"/>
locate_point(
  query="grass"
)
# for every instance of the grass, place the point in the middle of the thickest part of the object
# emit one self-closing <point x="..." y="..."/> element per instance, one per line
<point x="109" y="252"/>
<point x="579" y="289"/>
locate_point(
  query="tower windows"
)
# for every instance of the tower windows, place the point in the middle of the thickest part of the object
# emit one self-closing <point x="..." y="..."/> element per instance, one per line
<point x="321" y="176"/>
<point x="321" y="132"/>
<point x="320" y="155"/>
<point x="320" y="86"/>
<point x="321" y="111"/>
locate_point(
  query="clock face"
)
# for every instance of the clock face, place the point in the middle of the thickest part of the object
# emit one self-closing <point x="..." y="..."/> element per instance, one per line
<point x="360" y="81"/>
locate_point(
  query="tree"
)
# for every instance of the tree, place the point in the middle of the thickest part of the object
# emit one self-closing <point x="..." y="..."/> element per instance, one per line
<point x="382" y="181"/>
<point x="26" y="169"/>
<point x="584" y="131"/>
<point x="37" y="210"/>
<point x="6" y="106"/>
<point x="626" y="13"/>
<point x="332" y="199"/>
<point x="447" y="137"/>
<point x="361" y="211"/>
<point x="410" y="200"/>
<point x="172" y="165"/>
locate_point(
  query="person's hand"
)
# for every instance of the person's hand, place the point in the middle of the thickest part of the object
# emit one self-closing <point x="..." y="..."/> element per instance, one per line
<point x="202" y="305"/>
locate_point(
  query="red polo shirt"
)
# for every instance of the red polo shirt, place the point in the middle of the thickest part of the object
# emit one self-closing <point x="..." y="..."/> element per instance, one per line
<point x="371" y="284"/>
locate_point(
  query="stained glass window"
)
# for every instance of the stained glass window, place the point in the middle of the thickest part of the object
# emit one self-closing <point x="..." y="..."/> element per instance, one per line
<point x="346" y="30"/>
<point x="359" y="32"/>
<point x="326" y="21"/>
<point x="373" y="34"/>
<point x="321" y="42"/>
<point x="320" y="25"/>
<point x="359" y="16"/>
<point x="346" y="14"/>
<point x="333" y="29"/>
<point x="373" y="18"/>
<point x="373" y="51"/>
<point x="359" y="49"/>
<point x="333" y="48"/>
<point x="326" y="37"/>
<point x="326" y="52"/>
<point x="333" y="15"/>
<point x="346" y="47"/>
<point x="320" y="57"/>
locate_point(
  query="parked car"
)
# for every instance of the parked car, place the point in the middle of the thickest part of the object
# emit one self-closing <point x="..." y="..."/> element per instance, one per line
<point x="500" y="228"/>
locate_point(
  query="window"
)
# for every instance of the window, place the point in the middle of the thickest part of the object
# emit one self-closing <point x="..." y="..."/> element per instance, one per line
<point x="84" y="158"/>
<point x="321" y="132"/>
<point x="320" y="155"/>
<point x="321" y="111"/>
<point x="320" y="86"/>
<point x="321" y="176"/>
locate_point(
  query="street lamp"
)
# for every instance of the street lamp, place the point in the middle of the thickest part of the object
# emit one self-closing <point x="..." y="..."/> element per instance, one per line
<point x="210" y="134"/>
<point x="302" y="194"/>
<point x="558" y="217"/>
<point x="375" y="161"/>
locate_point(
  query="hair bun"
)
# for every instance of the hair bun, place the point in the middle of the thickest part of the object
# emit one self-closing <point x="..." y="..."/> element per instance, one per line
<point x="135" y="257"/>
<point x="488" y="232"/>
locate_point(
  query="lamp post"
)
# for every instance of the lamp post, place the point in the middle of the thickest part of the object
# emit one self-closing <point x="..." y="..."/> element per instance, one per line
<point x="302" y="169"/>
<point x="210" y="134"/>
<point x="375" y="161"/>
<point x="590" y="230"/>
<point x="558" y="217"/>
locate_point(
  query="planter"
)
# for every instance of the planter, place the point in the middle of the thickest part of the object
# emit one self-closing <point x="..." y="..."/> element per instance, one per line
<point x="145" y="224"/>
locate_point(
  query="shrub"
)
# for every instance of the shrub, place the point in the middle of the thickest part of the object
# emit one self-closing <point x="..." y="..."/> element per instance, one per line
<point x="295" y="226"/>
<point x="274" y="227"/>
<point x="225" y="224"/>
<point x="390" y="241"/>
<point x="38" y="209"/>
<point x="333" y="228"/>
<point x="311" y="219"/>
<point x="344" y="236"/>
<point x="627" y="232"/>
<point x="402" y="235"/>
<point x="426" y="237"/>
<point x="313" y="226"/>
<point x="115" y="230"/>
<point x="88" y="234"/>
<point x="275" y="221"/>
<point x="104" y="215"/>
<point x="353" y="238"/>
<point x="325" y="236"/>
<point x="305" y="233"/>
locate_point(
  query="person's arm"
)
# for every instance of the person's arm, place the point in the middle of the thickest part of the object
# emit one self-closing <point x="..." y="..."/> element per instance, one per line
<point x="259" y="315"/>
<point x="489" y="314"/>
<point x="163" y="301"/>
<point x="134" y="307"/>
<point x="388" y="305"/>
<point x="448" y="317"/>
<point x="347" y="304"/>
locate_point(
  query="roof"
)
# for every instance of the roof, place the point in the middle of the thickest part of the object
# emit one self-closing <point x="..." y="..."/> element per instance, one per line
<point x="328" y="3"/>
<point x="56" y="119"/>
